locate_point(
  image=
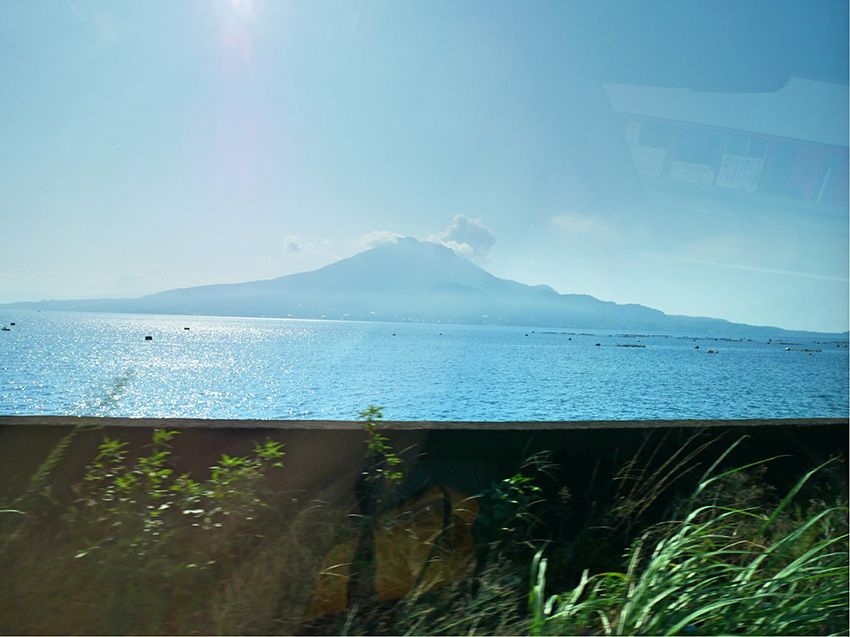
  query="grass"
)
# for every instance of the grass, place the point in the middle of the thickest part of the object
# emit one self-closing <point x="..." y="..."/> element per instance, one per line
<point x="719" y="570"/>
<point x="145" y="549"/>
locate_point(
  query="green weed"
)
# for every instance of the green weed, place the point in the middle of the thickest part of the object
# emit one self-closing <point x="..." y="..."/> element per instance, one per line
<point x="720" y="570"/>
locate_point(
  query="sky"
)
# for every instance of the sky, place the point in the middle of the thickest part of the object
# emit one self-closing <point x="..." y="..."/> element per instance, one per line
<point x="151" y="145"/>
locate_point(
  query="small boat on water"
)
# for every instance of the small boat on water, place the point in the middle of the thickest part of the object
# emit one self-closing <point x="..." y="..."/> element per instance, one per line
<point x="5" y="329"/>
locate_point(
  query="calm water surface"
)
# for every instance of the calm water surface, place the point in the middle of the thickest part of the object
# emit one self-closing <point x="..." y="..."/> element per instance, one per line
<point x="100" y="364"/>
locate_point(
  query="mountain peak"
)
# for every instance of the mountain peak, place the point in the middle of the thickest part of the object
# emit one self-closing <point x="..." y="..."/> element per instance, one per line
<point x="411" y="246"/>
<point x="405" y="264"/>
<point x="406" y="279"/>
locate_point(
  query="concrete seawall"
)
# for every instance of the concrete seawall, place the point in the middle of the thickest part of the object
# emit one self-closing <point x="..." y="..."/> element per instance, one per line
<point x="326" y="457"/>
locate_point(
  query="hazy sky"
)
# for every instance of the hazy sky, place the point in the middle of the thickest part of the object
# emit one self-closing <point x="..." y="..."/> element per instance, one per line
<point x="151" y="145"/>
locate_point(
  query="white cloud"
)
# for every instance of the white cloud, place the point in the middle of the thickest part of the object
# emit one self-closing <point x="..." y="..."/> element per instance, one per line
<point x="293" y="244"/>
<point x="463" y="249"/>
<point x="467" y="236"/>
<point x="371" y="239"/>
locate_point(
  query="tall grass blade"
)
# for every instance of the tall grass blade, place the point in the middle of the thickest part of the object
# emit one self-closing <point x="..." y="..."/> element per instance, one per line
<point x="790" y="496"/>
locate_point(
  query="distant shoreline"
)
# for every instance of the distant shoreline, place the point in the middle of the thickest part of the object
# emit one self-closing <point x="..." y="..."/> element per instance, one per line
<point x="771" y="333"/>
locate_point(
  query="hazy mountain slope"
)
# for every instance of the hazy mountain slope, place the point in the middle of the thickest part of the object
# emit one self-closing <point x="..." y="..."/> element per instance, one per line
<point x="406" y="280"/>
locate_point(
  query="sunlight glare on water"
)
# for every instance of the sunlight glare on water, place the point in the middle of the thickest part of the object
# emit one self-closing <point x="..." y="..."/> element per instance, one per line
<point x="101" y="364"/>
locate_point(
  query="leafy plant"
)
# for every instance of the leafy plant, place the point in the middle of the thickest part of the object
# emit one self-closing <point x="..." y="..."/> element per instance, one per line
<point x="144" y="548"/>
<point x="514" y="502"/>
<point x="374" y="487"/>
<point x="382" y="463"/>
<point x="140" y="526"/>
<point x="149" y="498"/>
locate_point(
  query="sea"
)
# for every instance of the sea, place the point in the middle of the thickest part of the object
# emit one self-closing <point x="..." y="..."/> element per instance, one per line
<point x="72" y="363"/>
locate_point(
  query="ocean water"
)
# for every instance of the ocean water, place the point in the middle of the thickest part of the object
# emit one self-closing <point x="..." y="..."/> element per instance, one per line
<point x="101" y="364"/>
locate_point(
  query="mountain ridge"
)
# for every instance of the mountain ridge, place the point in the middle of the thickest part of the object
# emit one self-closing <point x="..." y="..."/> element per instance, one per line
<point x="408" y="280"/>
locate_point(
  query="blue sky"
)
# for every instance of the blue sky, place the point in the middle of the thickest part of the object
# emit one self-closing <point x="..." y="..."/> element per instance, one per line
<point x="154" y="145"/>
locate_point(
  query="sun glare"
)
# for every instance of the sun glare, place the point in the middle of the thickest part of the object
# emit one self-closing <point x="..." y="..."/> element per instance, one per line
<point x="242" y="8"/>
<point x="236" y="20"/>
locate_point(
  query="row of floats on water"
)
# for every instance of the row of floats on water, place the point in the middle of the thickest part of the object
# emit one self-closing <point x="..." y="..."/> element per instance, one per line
<point x="629" y="345"/>
<point x="692" y="338"/>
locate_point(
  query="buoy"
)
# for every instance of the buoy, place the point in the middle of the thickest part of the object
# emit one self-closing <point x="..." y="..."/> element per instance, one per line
<point x="597" y="345"/>
<point x="148" y="338"/>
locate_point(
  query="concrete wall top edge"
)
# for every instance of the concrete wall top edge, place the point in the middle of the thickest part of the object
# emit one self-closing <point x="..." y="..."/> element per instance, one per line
<point x="183" y="423"/>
